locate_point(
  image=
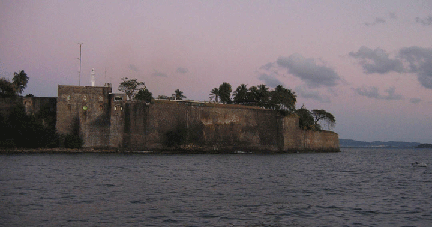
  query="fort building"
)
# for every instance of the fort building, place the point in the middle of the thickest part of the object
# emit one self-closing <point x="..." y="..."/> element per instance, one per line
<point x="107" y="120"/>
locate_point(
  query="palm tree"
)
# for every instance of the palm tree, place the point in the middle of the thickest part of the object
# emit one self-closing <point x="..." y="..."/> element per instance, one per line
<point x="214" y="94"/>
<point x="179" y="95"/>
<point x="225" y="90"/>
<point x="240" y="94"/>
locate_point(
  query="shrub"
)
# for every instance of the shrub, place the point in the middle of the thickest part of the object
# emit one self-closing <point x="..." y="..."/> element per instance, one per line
<point x="176" y="138"/>
<point x="73" y="141"/>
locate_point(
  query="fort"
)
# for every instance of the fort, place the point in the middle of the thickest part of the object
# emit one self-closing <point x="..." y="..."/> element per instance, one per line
<point x="107" y="120"/>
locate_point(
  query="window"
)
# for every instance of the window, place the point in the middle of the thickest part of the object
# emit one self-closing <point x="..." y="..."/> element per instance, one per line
<point x="101" y="107"/>
<point x="69" y="107"/>
<point x="100" y="99"/>
<point x="118" y="98"/>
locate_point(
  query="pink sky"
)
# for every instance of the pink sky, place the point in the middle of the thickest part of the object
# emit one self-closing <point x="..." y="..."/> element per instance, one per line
<point x="367" y="62"/>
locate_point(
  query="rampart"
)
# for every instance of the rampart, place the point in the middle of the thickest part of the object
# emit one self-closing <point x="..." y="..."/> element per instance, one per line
<point x="32" y="105"/>
<point x="108" y="120"/>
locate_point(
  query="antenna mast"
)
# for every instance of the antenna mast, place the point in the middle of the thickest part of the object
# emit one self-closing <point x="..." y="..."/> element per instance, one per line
<point x="79" y="78"/>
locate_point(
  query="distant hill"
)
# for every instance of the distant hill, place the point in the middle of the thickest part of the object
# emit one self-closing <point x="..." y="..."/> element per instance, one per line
<point x="425" y="145"/>
<point x="355" y="143"/>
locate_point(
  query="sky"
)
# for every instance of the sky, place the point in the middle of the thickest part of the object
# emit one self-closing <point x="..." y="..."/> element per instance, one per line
<point x="369" y="63"/>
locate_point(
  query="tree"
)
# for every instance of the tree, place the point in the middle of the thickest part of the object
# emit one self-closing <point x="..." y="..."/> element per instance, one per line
<point x="252" y="96"/>
<point x="225" y="90"/>
<point x="14" y="88"/>
<point x="163" y="97"/>
<point x="144" y="95"/>
<point x="240" y="94"/>
<point x="28" y="130"/>
<point x="179" y="95"/>
<point x="130" y="87"/>
<point x="6" y="88"/>
<point x="263" y="95"/>
<point x="283" y="99"/>
<point x="306" y="120"/>
<point x="214" y="94"/>
<point x="20" y="81"/>
<point x="324" y="116"/>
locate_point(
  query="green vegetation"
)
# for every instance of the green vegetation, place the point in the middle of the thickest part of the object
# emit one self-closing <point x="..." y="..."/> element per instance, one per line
<point x="27" y="131"/>
<point x="19" y="129"/>
<point x="20" y="81"/>
<point x="214" y="94"/>
<point x="280" y="99"/>
<point x="176" y="138"/>
<point x="73" y="141"/>
<point x="14" y="88"/>
<point x="131" y="87"/>
<point x="144" y="95"/>
<point x="225" y="92"/>
<point x="306" y="120"/>
<point x="325" y="116"/>
<point x="179" y="95"/>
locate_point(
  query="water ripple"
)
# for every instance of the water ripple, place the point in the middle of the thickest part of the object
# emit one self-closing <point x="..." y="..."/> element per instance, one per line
<point x="357" y="187"/>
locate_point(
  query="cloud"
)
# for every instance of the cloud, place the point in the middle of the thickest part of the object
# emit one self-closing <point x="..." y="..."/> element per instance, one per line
<point x="393" y="15"/>
<point x="267" y="66"/>
<point x="373" y="92"/>
<point x="156" y="73"/>
<point x="269" y="80"/>
<point x="420" y="62"/>
<point x="391" y="95"/>
<point x="309" y="94"/>
<point x="308" y="71"/>
<point x="370" y="92"/>
<point x="415" y="100"/>
<point x="425" y="21"/>
<point x="133" y="68"/>
<point x="378" y="20"/>
<point x="182" y="70"/>
<point x="376" y="61"/>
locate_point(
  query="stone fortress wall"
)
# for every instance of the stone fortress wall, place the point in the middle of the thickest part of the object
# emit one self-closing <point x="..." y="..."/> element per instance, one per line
<point x="106" y="120"/>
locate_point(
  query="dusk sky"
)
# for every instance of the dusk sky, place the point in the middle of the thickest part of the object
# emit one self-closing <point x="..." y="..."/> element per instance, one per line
<point x="369" y="63"/>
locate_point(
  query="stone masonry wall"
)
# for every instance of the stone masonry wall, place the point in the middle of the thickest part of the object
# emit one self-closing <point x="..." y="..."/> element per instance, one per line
<point x="219" y="127"/>
<point x="109" y="120"/>
<point x="208" y="128"/>
<point x="85" y="110"/>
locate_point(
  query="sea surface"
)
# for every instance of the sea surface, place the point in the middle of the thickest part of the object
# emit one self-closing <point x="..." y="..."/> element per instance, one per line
<point x="356" y="187"/>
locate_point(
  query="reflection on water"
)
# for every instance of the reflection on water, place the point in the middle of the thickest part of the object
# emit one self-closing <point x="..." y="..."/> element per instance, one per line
<point x="355" y="187"/>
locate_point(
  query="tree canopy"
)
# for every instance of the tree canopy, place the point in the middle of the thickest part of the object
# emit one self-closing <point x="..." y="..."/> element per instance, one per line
<point x="283" y="99"/>
<point x="144" y="95"/>
<point x="6" y="88"/>
<point x="14" y="88"/>
<point x="20" y="81"/>
<point x="179" y="95"/>
<point x="131" y="87"/>
<point x="225" y="90"/>
<point x="324" y="116"/>
<point x="241" y="94"/>
<point x="306" y="120"/>
<point x="214" y="94"/>
<point x="279" y="99"/>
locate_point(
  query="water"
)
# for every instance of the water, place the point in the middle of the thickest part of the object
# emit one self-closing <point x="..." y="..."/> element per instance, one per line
<point x="357" y="187"/>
